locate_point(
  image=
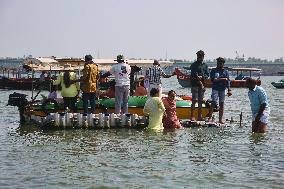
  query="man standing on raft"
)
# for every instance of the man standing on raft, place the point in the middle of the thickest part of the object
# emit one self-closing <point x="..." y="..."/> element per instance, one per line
<point x="199" y="72"/>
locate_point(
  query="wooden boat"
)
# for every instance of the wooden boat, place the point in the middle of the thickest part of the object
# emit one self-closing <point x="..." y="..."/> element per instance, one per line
<point x="43" y="113"/>
<point x="23" y="84"/>
<point x="279" y="84"/>
<point x="26" y="77"/>
<point x="12" y="79"/>
<point x="239" y="82"/>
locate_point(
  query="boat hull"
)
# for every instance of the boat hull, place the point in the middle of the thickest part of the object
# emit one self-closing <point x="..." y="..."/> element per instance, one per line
<point x="23" y="84"/>
<point x="135" y="106"/>
<point x="278" y="85"/>
<point x="184" y="81"/>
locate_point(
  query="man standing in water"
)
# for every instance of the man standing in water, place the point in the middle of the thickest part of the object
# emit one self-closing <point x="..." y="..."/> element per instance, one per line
<point x="259" y="106"/>
<point x="155" y="109"/>
<point x="199" y="72"/>
<point x="220" y="79"/>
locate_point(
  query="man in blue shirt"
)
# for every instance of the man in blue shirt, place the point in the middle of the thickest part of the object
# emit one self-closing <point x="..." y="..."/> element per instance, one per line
<point x="259" y="106"/>
<point x="220" y="79"/>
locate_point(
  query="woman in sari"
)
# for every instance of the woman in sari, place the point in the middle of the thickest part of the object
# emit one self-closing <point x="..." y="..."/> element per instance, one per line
<point x="171" y="120"/>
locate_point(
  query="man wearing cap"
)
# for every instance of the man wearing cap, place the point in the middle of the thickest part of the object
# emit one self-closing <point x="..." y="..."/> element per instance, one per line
<point x="199" y="72"/>
<point x="89" y="83"/>
<point x="121" y="71"/>
<point x="153" y="77"/>
<point x="220" y="79"/>
<point x="259" y="106"/>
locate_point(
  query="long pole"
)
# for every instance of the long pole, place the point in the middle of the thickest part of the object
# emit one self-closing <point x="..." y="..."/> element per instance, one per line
<point x="79" y="73"/>
<point x="32" y="81"/>
<point x="241" y="118"/>
<point x="49" y="78"/>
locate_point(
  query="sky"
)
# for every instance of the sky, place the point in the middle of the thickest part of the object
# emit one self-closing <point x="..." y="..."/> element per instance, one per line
<point x="172" y="29"/>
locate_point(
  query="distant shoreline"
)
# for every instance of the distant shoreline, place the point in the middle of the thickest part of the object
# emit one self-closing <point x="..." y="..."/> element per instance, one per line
<point x="268" y="68"/>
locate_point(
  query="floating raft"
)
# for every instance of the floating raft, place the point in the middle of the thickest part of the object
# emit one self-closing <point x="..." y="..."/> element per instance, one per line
<point x="135" y="106"/>
<point x="52" y="113"/>
<point x="104" y="121"/>
<point x="92" y="121"/>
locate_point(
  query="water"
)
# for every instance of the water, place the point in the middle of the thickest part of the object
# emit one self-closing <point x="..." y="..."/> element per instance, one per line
<point x="187" y="158"/>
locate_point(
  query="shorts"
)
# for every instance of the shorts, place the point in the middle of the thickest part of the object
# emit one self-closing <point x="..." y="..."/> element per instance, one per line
<point x="264" y="116"/>
<point x="218" y="95"/>
<point x="197" y="93"/>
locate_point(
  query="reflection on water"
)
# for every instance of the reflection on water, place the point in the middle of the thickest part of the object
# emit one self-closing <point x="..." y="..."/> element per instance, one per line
<point x="127" y="158"/>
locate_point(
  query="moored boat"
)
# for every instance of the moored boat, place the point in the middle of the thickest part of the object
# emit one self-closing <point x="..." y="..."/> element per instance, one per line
<point x="23" y="84"/>
<point x="279" y="84"/>
<point x="238" y="82"/>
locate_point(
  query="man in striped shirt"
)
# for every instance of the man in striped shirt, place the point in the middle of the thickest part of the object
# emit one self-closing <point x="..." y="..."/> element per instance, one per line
<point x="153" y="77"/>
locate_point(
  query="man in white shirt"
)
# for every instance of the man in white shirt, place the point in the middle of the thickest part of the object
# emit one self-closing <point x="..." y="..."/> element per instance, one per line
<point x="121" y="71"/>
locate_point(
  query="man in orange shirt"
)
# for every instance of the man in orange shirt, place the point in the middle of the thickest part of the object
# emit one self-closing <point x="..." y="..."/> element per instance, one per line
<point x="89" y="83"/>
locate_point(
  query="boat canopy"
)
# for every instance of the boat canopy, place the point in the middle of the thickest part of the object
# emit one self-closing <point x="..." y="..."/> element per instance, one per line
<point x="40" y="61"/>
<point x="44" y="64"/>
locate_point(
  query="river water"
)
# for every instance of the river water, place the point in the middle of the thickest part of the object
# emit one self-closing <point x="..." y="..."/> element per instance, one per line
<point x="232" y="157"/>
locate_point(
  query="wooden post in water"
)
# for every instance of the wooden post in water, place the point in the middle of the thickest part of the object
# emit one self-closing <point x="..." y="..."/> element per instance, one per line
<point x="241" y="118"/>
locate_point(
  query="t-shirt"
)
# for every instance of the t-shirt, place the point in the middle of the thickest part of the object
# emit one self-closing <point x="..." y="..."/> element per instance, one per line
<point x="199" y="70"/>
<point x="154" y="74"/>
<point x="121" y="71"/>
<point x="221" y="84"/>
<point x="257" y="96"/>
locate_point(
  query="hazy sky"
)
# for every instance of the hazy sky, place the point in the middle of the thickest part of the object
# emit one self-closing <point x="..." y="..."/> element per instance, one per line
<point x="142" y="28"/>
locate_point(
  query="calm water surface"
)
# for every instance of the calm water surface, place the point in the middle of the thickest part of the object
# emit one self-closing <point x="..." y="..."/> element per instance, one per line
<point x="189" y="158"/>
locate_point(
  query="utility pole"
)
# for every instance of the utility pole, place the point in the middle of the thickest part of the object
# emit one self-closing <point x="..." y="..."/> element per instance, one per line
<point x="166" y="55"/>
